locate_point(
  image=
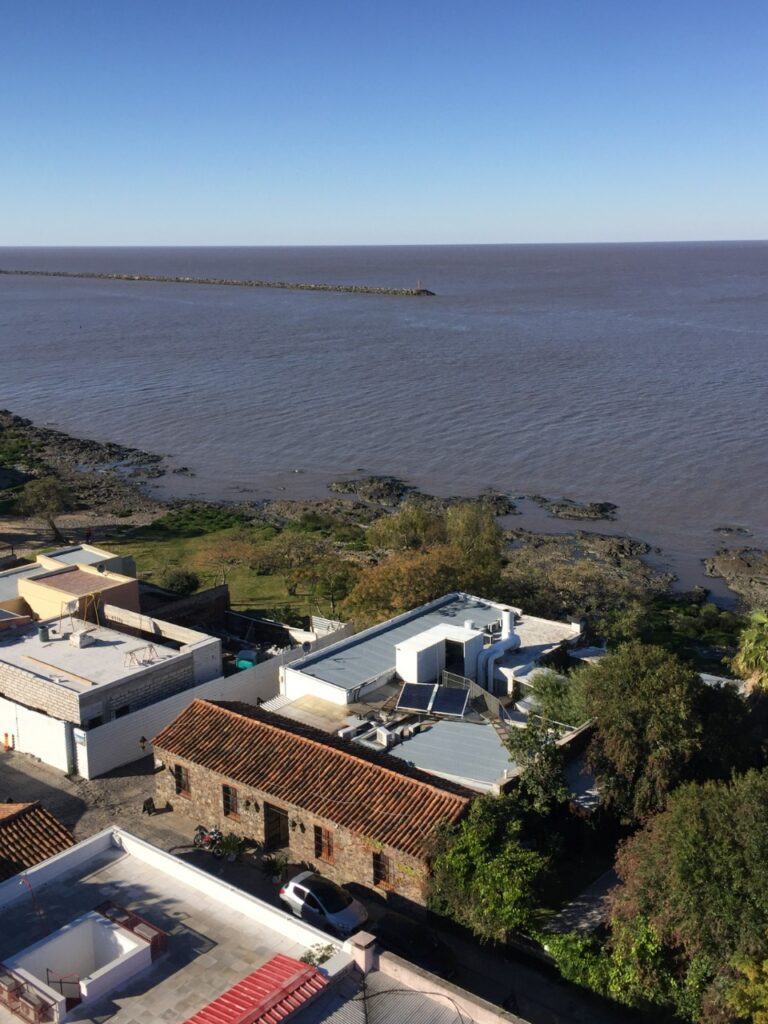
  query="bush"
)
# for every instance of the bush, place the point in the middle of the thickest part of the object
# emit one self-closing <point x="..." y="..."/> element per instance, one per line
<point x="181" y="581"/>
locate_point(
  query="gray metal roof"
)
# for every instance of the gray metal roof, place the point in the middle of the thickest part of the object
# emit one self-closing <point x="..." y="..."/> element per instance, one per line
<point x="469" y="752"/>
<point x="352" y="662"/>
<point x="79" y="555"/>
<point x="9" y="580"/>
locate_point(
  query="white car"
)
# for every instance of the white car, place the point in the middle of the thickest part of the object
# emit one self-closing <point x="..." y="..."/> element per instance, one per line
<point x="319" y="901"/>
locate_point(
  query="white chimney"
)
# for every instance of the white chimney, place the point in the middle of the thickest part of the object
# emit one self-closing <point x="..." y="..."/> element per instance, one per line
<point x="507" y="623"/>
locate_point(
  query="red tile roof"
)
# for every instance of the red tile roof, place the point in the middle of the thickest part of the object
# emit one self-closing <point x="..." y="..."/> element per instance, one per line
<point x="372" y="794"/>
<point x="267" y="996"/>
<point x="29" y="834"/>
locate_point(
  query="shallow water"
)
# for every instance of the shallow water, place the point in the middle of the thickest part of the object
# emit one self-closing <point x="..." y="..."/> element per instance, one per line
<point x="636" y="374"/>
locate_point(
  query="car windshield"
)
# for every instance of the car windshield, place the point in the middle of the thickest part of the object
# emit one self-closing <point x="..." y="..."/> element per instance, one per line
<point x="331" y="896"/>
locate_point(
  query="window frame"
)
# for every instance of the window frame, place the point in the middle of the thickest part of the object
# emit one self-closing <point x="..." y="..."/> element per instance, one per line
<point x="181" y="776"/>
<point x="383" y="869"/>
<point x="324" y="844"/>
<point x="230" y="801"/>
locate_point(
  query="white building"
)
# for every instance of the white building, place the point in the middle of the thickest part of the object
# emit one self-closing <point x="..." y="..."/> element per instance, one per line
<point x="438" y="686"/>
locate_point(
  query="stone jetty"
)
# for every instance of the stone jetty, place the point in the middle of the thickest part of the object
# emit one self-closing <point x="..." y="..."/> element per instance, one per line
<point x="357" y="289"/>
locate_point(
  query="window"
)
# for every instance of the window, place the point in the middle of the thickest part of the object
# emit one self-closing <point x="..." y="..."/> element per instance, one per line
<point x="181" y="775"/>
<point x="323" y="843"/>
<point x="383" y="870"/>
<point x="119" y="712"/>
<point x="229" y="799"/>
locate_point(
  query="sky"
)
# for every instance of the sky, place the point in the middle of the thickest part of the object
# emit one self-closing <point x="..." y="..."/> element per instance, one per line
<point x="300" y="122"/>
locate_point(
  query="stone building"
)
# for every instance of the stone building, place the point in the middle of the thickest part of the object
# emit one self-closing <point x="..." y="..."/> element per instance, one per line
<point x="356" y="816"/>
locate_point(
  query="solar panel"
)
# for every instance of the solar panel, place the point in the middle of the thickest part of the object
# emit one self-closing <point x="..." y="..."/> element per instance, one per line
<point x="450" y="700"/>
<point x="416" y="697"/>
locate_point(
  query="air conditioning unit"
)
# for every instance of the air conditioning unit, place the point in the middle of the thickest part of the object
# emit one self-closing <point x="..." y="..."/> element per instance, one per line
<point x="385" y="737"/>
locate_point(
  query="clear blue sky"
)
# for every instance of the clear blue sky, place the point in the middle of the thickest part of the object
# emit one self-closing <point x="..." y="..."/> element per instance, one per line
<point x="325" y="121"/>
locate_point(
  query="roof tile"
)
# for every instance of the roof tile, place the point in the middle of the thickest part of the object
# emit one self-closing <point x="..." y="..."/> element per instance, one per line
<point x="373" y="794"/>
<point x="29" y="834"/>
<point x="267" y="996"/>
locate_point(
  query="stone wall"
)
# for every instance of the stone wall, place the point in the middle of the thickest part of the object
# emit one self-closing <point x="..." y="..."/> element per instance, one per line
<point x="352" y="852"/>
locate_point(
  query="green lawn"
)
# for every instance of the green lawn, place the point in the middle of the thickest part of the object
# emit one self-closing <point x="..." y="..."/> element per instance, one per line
<point x="157" y="550"/>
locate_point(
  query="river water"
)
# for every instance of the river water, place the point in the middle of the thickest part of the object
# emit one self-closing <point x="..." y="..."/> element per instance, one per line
<point x="636" y="374"/>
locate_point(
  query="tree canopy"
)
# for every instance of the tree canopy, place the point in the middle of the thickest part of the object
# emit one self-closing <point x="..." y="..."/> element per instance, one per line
<point x="535" y="751"/>
<point x="46" y="499"/>
<point x="698" y="875"/>
<point x="751" y="661"/>
<point x="486" y="875"/>
<point x="648" y="728"/>
<point x="468" y="558"/>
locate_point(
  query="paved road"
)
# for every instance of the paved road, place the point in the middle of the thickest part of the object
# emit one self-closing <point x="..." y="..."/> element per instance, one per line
<point x="86" y="807"/>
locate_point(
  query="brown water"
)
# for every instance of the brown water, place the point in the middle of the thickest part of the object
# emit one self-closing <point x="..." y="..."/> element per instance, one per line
<point x="636" y="374"/>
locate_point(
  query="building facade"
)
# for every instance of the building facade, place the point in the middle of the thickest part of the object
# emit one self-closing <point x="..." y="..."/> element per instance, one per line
<point x="355" y="817"/>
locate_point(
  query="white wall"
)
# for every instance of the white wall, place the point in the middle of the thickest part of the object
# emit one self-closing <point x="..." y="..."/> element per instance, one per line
<point x="297" y="684"/>
<point x="206" y="659"/>
<point x="117" y="742"/>
<point x="34" y="733"/>
<point x="229" y="896"/>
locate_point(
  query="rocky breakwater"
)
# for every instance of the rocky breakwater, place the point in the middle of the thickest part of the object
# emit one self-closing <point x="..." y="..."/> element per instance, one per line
<point x="304" y="286"/>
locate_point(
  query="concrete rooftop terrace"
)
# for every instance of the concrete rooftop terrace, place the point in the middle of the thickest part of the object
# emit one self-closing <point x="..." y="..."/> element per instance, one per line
<point x="216" y="934"/>
<point x="111" y="657"/>
<point x="371" y="653"/>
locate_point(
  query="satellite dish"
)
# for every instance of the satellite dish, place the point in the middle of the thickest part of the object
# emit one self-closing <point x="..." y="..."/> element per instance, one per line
<point x="306" y="647"/>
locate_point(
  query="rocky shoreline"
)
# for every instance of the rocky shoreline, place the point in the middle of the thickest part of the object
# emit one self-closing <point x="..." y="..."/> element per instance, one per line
<point x="110" y="481"/>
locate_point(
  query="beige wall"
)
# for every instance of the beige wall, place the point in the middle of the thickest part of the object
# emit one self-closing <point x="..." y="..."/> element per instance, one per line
<point x="46" y="601"/>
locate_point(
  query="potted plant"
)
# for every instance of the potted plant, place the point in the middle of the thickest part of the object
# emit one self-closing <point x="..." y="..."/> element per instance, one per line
<point x="274" y="865"/>
<point x="230" y="846"/>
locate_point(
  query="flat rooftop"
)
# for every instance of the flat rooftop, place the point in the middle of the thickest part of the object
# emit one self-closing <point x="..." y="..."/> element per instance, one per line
<point x="371" y="653"/>
<point x="9" y="580"/>
<point x="112" y="656"/>
<point x="74" y="581"/>
<point x="216" y="934"/>
<point x="80" y="554"/>
<point x="470" y="753"/>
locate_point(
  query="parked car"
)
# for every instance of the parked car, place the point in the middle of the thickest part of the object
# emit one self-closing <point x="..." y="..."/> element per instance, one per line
<point x="415" y="942"/>
<point x="319" y="901"/>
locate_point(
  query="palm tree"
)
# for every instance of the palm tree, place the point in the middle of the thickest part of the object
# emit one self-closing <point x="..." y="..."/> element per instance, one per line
<point x="751" y="661"/>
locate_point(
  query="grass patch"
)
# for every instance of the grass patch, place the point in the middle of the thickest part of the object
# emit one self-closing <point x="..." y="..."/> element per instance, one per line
<point x="158" y="551"/>
<point x="326" y="525"/>
<point x="190" y="521"/>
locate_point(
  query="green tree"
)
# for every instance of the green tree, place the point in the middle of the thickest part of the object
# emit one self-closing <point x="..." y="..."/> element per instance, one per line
<point x="697" y="874"/>
<point x="181" y="581"/>
<point x="412" y="527"/>
<point x="648" y="728"/>
<point x="560" y="699"/>
<point x="535" y="751"/>
<point x="751" y="661"/>
<point x="329" y="578"/>
<point x="485" y="874"/>
<point x="747" y="996"/>
<point x="46" y="499"/>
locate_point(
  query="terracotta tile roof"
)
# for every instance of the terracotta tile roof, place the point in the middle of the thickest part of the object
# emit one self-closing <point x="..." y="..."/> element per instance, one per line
<point x="78" y="583"/>
<point x="267" y="996"/>
<point x="375" y="795"/>
<point x="29" y="834"/>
